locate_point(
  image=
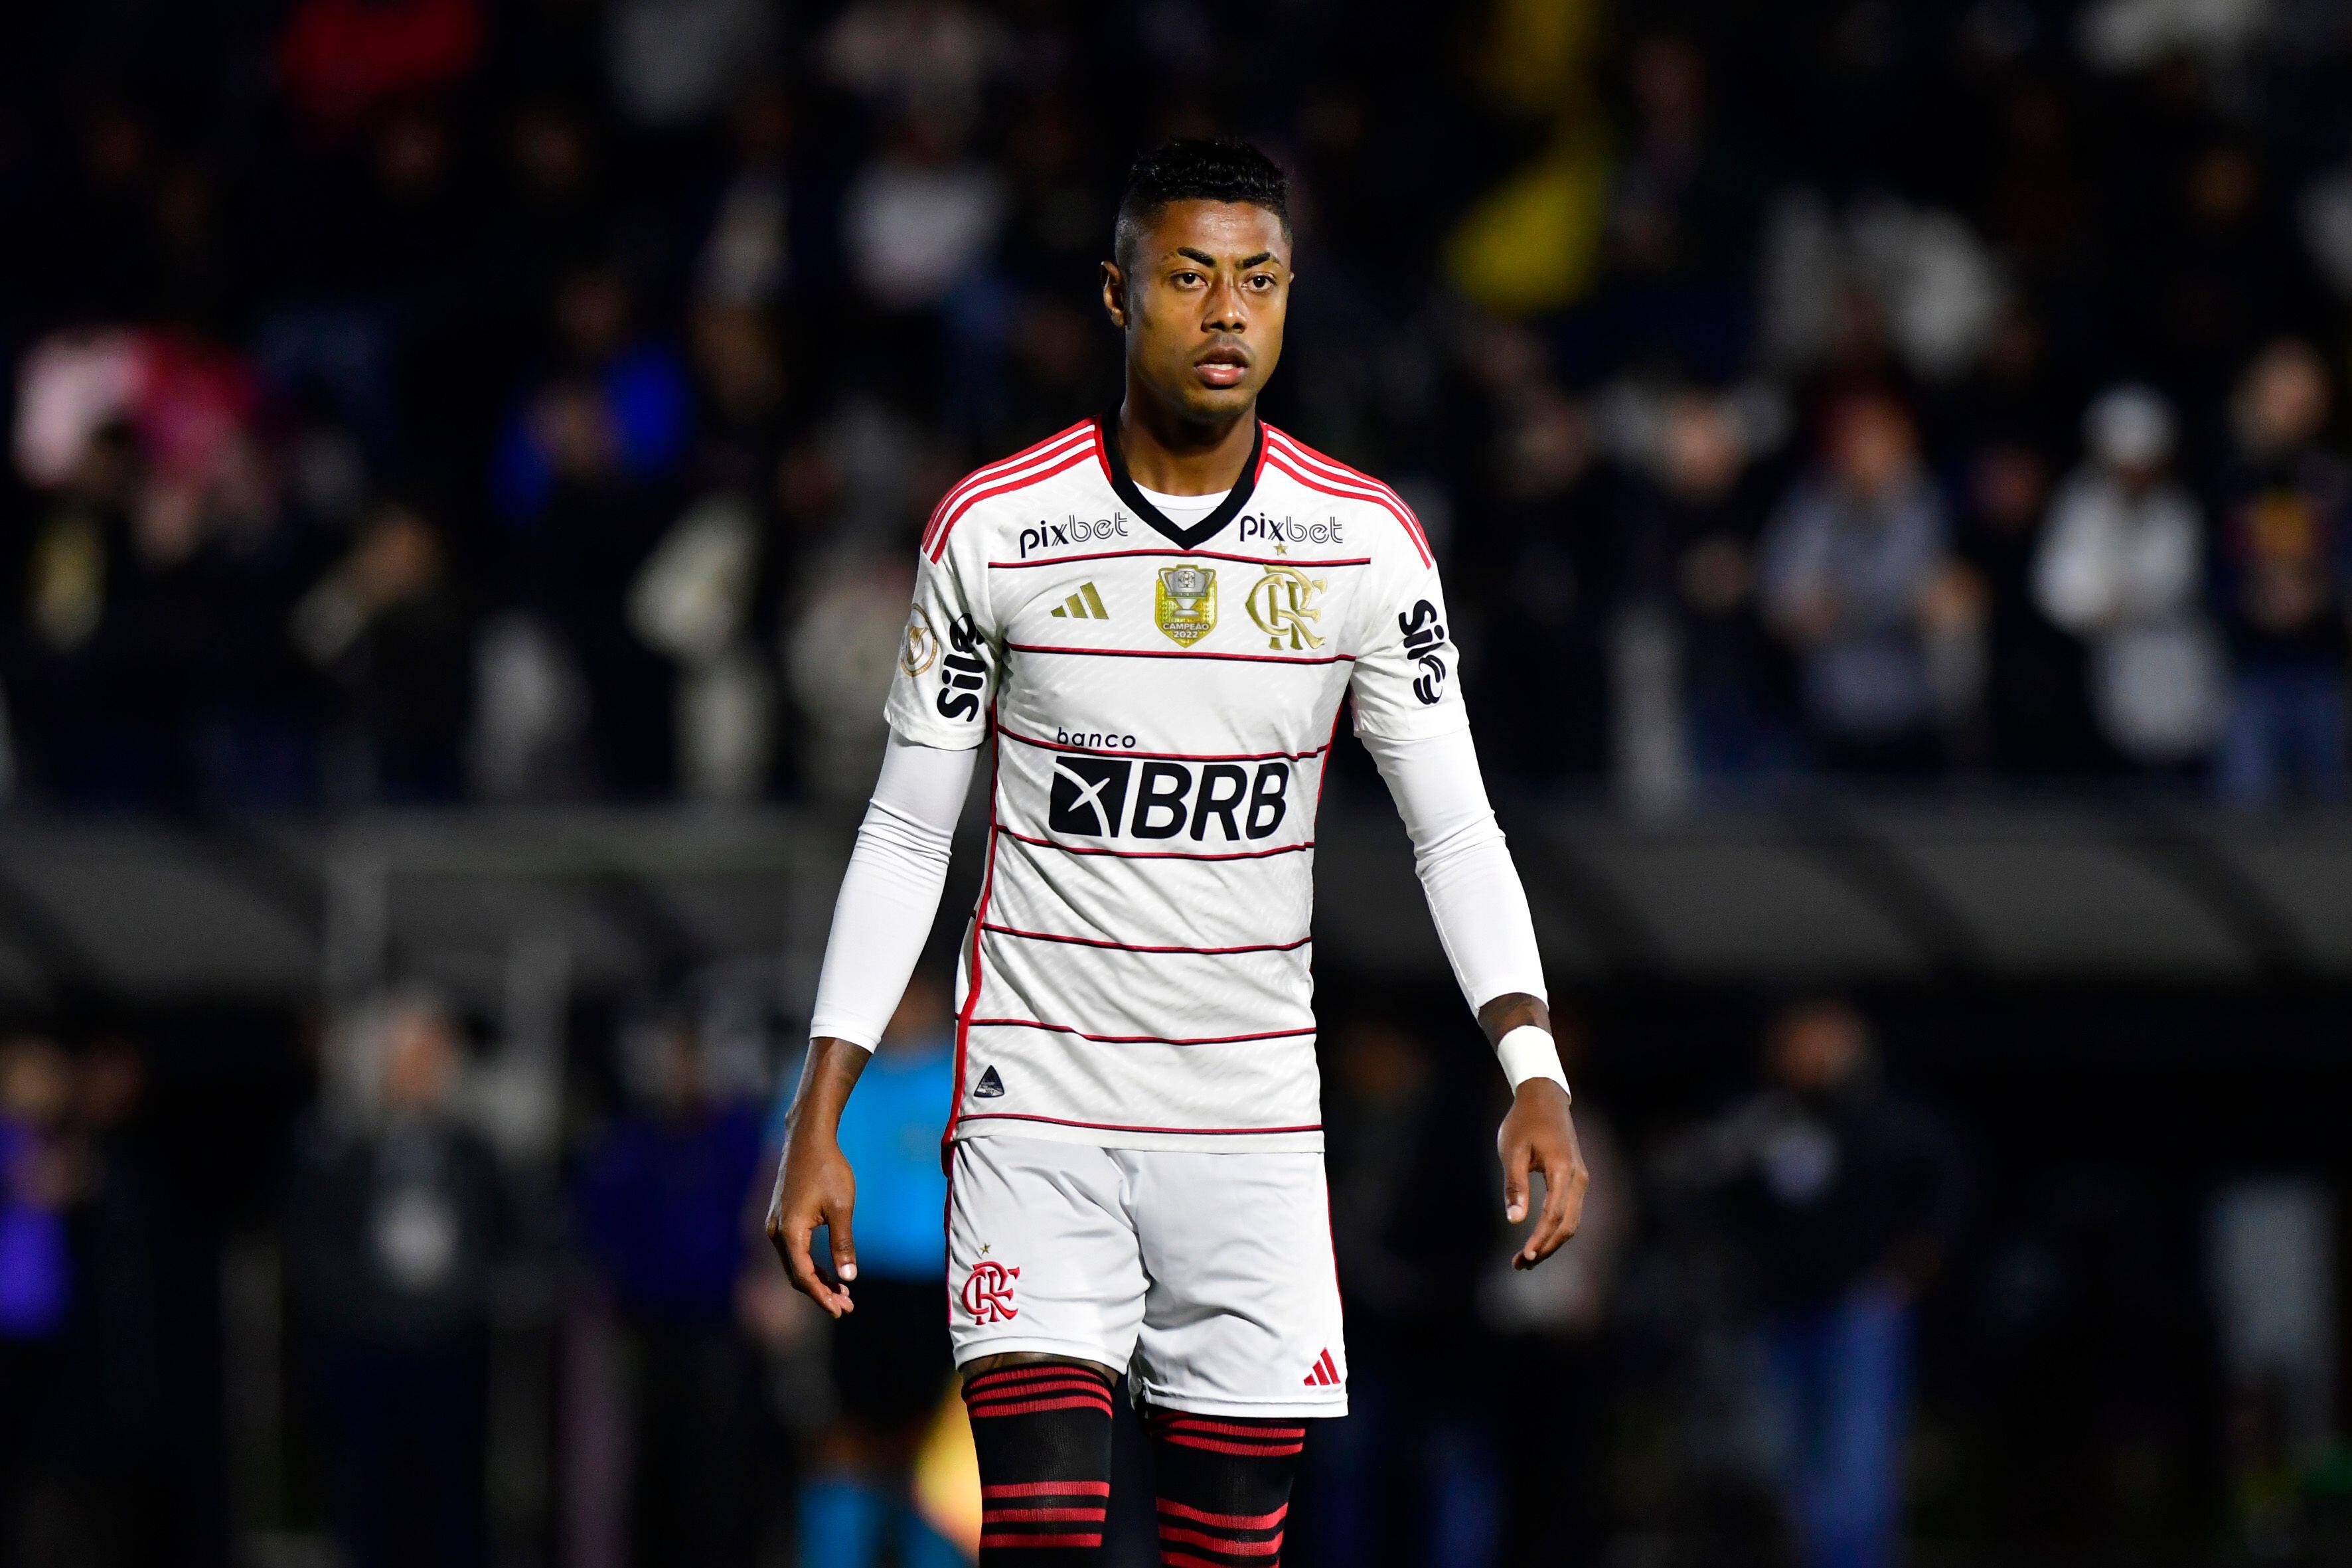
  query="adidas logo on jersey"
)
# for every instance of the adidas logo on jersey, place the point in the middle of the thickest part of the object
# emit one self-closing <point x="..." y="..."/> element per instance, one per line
<point x="1326" y="1375"/>
<point x="989" y="1085"/>
<point x="1082" y="605"/>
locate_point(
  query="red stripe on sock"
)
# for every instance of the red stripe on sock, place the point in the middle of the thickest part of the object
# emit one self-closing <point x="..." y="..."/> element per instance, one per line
<point x="988" y="1409"/>
<point x="1047" y="1488"/>
<point x="1224" y="1521"/>
<point x="1038" y="1385"/>
<point x="1042" y="1515"/>
<point x="1246" y="1451"/>
<point x="1232" y="1428"/>
<point x="1045" y="1540"/>
<point x="1226" y="1544"/>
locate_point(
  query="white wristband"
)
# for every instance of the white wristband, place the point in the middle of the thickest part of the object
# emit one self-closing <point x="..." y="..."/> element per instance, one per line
<point x="1529" y="1052"/>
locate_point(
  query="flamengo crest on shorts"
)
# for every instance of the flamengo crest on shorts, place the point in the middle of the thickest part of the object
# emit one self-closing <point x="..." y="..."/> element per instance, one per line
<point x="1163" y="699"/>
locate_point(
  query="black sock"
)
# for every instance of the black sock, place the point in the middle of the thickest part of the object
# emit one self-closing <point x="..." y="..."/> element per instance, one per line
<point x="1043" y="1430"/>
<point x="1224" y="1487"/>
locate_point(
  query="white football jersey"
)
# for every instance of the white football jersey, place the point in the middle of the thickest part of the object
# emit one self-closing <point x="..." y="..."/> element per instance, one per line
<point x="1163" y="699"/>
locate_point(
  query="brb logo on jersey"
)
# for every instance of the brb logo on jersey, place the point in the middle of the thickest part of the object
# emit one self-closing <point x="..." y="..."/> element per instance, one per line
<point x="1091" y="796"/>
<point x="1425" y="641"/>
<point x="1282" y="604"/>
<point x="988" y="1293"/>
<point x="961" y="673"/>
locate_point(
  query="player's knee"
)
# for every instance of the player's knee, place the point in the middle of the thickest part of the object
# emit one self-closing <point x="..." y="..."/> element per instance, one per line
<point x="982" y="1365"/>
<point x="1042" y="1427"/>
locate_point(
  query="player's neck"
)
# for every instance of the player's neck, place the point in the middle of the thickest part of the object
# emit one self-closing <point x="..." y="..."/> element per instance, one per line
<point x="1176" y="456"/>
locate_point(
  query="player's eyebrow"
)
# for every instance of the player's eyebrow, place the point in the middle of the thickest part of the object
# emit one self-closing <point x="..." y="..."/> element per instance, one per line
<point x="1203" y="257"/>
<point x="1262" y="257"/>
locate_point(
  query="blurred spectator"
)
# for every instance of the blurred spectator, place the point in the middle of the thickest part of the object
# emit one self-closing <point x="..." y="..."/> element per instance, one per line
<point x="37" y="1290"/>
<point x="1848" y="1199"/>
<point x="395" y="632"/>
<point x="342" y="58"/>
<point x="660" y="1195"/>
<point x="891" y="1363"/>
<point x="1856" y="577"/>
<point x="398" y="1225"/>
<point x="2036" y="720"/>
<point x="1691" y="524"/>
<point x="2123" y="567"/>
<point x="2287" y="555"/>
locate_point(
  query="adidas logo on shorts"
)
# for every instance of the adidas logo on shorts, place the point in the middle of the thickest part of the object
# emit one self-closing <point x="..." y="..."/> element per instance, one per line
<point x="1326" y="1375"/>
<point x="989" y="1087"/>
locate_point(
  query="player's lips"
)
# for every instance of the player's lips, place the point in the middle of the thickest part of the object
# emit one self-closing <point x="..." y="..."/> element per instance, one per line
<point x="1222" y="366"/>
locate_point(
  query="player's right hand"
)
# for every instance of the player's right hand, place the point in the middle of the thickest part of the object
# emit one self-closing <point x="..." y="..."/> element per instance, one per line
<point x="814" y="1187"/>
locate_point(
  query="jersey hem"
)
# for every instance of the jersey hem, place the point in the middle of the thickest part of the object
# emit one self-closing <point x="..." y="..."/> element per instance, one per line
<point x="1278" y="1139"/>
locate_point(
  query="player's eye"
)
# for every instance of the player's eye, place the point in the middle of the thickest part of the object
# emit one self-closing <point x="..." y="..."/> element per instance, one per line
<point x="1262" y="281"/>
<point x="1186" y="279"/>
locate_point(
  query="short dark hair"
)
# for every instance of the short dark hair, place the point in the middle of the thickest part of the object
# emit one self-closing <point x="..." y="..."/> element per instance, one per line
<point x="1226" y="169"/>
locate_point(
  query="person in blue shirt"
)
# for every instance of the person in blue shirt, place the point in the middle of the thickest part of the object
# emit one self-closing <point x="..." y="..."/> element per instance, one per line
<point x="889" y="1358"/>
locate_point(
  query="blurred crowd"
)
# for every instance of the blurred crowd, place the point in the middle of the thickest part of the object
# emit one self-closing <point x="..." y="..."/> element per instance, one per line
<point x="468" y="1342"/>
<point x="427" y="400"/>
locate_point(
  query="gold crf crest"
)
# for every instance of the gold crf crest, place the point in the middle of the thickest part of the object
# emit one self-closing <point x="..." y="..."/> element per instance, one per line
<point x="1185" y="605"/>
<point x="1282" y="604"/>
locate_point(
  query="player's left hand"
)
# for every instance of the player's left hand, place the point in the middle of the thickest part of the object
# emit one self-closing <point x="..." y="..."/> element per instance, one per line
<point x="1539" y="1136"/>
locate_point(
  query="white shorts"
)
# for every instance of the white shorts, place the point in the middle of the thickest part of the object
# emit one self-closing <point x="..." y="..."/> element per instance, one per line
<point x="1209" y="1276"/>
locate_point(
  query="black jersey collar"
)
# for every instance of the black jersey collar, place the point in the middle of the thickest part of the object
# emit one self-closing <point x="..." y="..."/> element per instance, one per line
<point x="1206" y="529"/>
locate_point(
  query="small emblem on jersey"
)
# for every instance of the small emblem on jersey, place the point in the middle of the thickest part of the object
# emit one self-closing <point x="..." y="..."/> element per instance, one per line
<point x="922" y="647"/>
<point x="1282" y="604"/>
<point x="1424" y="642"/>
<point x="1086" y="604"/>
<point x="988" y="1293"/>
<point x="1326" y="1375"/>
<point x="963" y="675"/>
<point x="1185" y="603"/>
<point x="989" y="1085"/>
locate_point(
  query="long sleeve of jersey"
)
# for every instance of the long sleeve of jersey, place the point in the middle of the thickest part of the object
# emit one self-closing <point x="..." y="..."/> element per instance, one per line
<point x="890" y="892"/>
<point x="1474" y="896"/>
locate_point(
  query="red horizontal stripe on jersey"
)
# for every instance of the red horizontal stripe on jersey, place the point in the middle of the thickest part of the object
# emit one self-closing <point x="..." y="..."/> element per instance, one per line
<point x="1047" y="1488"/>
<point x="1299" y="452"/>
<point x="1062" y="461"/>
<point x="1161" y="756"/>
<point x="1137" y="1040"/>
<point x="1187" y="555"/>
<point x="1348" y="492"/>
<point x="1225" y="1544"/>
<point x="988" y="472"/>
<point x="1224" y="1520"/>
<point x="1132" y="947"/>
<point x="1158" y="854"/>
<point x="1178" y="653"/>
<point x="1123" y="1127"/>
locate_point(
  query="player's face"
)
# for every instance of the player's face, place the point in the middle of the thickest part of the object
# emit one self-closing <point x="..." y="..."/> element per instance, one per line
<point x="1203" y="311"/>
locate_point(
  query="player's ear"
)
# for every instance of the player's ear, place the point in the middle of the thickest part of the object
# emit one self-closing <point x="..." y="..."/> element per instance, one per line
<point x="1114" y="294"/>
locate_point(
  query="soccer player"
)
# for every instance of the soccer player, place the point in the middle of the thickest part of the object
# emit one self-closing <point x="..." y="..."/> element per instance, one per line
<point x="1158" y="615"/>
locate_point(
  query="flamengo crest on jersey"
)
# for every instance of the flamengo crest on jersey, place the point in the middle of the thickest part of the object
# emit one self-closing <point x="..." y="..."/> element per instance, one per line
<point x="1164" y="698"/>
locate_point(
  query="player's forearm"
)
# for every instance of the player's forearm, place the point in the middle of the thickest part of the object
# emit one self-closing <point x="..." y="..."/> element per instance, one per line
<point x="1474" y="896"/>
<point x="890" y="892"/>
<point x="828" y="1075"/>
